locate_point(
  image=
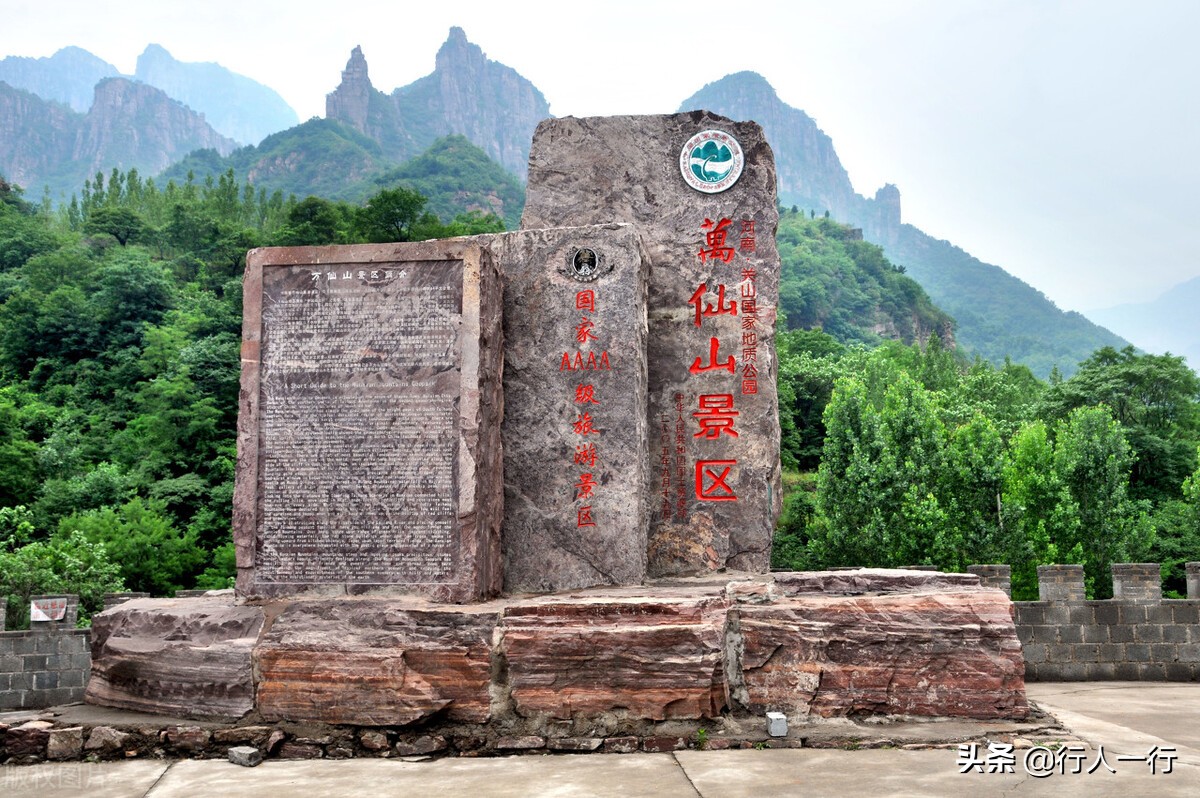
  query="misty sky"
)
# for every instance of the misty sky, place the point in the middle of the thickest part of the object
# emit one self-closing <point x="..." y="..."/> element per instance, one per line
<point x="1055" y="139"/>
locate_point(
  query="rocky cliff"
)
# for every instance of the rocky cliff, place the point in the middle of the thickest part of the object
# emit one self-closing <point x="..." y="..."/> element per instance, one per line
<point x="489" y="103"/>
<point x="69" y="76"/>
<point x="128" y="125"/>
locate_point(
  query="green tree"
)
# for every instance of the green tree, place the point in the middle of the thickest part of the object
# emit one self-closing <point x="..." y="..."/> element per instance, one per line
<point x="389" y="215"/>
<point x="123" y="224"/>
<point x="151" y="553"/>
<point x="1093" y="460"/>
<point x="1156" y="398"/>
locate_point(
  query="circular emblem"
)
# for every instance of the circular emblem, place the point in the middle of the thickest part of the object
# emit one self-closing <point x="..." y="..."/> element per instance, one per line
<point x="585" y="265"/>
<point x="711" y="161"/>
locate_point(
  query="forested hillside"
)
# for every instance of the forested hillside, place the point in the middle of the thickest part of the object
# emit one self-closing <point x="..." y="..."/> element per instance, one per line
<point x="327" y="159"/>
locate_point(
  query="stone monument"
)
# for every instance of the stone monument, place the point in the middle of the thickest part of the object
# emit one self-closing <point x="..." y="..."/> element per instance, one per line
<point x="385" y="474"/>
<point x="700" y="188"/>
<point x="576" y="478"/>
<point x="369" y="423"/>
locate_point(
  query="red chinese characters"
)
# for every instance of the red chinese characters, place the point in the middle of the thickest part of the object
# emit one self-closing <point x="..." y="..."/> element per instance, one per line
<point x="586" y="399"/>
<point x="715" y="236"/>
<point x="715" y="416"/>
<point x="748" y="291"/>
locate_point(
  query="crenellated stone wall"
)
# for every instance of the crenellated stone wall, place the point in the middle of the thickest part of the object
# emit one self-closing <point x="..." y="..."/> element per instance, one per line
<point x="1135" y="636"/>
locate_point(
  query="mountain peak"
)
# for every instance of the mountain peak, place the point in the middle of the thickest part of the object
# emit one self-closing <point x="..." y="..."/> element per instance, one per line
<point x="458" y="51"/>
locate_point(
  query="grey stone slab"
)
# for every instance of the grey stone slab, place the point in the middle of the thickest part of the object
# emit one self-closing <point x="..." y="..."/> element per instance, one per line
<point x="369" y="453"/>
<point x="576" y="472"/>
<point x="714" y="283"/>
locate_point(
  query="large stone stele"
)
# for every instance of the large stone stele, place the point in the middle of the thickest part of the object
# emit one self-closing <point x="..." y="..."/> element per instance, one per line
<point x="713" y="292"/>
<point x="369" y="454"/>
<point x="185" y="657"/>
<point x="576" y="481"/>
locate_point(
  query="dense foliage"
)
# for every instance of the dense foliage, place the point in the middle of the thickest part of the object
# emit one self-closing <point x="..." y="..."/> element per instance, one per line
<point x="918" y="458"/>
<point x="834" y="281"/>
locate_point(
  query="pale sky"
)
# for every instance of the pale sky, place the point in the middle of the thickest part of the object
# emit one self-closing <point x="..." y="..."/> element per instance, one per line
<point x="1055" y="139"/>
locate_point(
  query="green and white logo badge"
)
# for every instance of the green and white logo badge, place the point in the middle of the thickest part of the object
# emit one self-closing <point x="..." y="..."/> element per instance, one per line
<point x="711" y="161"/>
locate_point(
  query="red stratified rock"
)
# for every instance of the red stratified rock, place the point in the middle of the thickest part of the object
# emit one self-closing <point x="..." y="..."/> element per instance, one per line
<point x="656" y="655"/>
<point x="184" y="657"/>
<point x="376" y="662"/>
<point x="941" y="652"/>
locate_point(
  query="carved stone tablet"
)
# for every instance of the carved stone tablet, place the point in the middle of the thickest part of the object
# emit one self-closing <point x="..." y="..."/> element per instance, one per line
<point x="369" y="449"/>
<point x="575" y="458"/>
<point x="701" y="190"/>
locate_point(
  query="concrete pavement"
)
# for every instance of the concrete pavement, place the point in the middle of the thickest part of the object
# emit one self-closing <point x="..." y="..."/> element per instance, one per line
<point x="1127" y="720"/>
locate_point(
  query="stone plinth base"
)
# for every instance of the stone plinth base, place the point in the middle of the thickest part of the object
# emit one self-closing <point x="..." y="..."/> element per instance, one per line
<point x="825" y="644"/>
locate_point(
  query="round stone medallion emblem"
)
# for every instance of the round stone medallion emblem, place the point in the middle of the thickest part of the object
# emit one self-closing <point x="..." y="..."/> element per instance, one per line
<point x="711" y="161"/>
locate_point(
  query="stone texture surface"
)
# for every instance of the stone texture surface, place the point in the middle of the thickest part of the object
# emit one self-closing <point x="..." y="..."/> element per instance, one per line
<point x="575" y="432"/>
<point x="716" y="496"/>
<point x="107" y="740"/>
<point x="864" y="581"/>
<point x="369" y="454"/>
<point x="591" y="663"/>
<point x="426" y="744"/>
<point x="653" y="657"/>
<point x="376" y="663"/>
<point x="64" y="744"/>
<point x="187" y="657"/>
<point x="28" y="739"/>
<point x="245" y="755"/>
<point x="949" y="652"/>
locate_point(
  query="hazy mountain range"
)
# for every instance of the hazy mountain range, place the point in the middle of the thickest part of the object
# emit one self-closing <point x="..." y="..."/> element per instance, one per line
<point x="234" y="105"/>
<point x="368" y="132"/>
<point x="1167" y="324"/>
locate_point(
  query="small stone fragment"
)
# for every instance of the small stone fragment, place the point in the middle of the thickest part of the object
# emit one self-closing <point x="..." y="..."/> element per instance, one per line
<point x="64" y="744"/>
<point x="621" y="745"/>
<point x="526" y="743"/>
<point x="105" y="740"/>
<point x="188" y="738"/>
<point x="274" y="740"/>
<point x="660" y="745"/>
<point x="28" y="739"/>
<point x="421" y="745"/>
<point x="245" y="755"/>
<point x="777" y="724"/>
<point x="374" y="741"/>
<point x="575" y="743"/>
<point x="299" y="751"/>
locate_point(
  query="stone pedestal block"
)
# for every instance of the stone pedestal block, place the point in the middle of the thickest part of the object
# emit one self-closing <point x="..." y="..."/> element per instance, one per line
<point x="945" y="652"/>
<point x="376" y="663"/>
<point x="713" y="291"/>
<point x="187" y="657"/>
<point x="656" y="656"/>
<point x="369" y="453"/>
<point x="575" y="458"/>
<point x="1193" y="580"/>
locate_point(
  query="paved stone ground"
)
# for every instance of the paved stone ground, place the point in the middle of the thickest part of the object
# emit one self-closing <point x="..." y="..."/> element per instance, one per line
<point x="1126" y="719"/>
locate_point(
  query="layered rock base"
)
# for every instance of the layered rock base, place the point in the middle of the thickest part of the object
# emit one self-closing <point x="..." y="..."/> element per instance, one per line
<point x="587" y="665"/>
